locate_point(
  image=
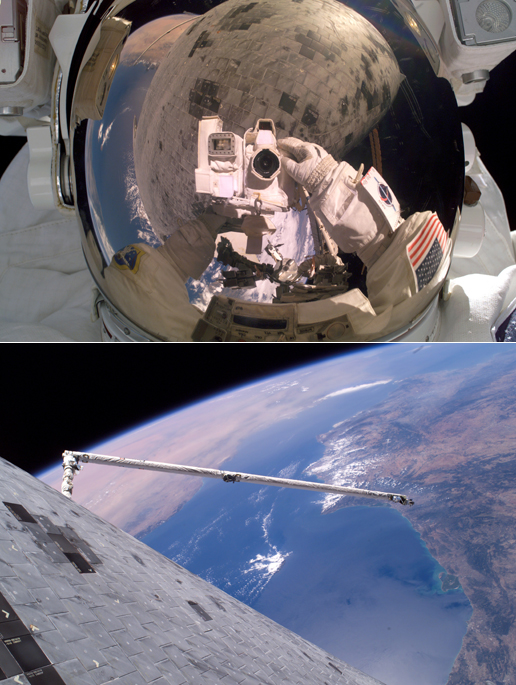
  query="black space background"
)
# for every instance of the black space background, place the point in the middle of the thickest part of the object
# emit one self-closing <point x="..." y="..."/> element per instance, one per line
<point x="491" y="120"/>
<point x="53" y="402"/>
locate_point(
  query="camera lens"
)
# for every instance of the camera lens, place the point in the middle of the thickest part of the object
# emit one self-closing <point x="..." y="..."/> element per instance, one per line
<point x="266" y="163"/>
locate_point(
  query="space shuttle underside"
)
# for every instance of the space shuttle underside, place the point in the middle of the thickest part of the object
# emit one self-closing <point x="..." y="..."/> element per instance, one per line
<point x="83" y="603"/>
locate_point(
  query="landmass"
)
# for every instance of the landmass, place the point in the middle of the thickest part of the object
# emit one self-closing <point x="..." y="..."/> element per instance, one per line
<point x="449" y="582"/>
<point x="447" y="440"/>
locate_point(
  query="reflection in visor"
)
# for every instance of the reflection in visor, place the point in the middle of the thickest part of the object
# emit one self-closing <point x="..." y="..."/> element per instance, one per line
<point x="135" y="166"/>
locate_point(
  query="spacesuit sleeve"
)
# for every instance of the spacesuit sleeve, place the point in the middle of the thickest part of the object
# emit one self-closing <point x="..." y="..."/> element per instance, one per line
<point x="350" y="214"/>
<point x="415" y="263"/>
<point x="146" y="285"/>
<point x="191" y="249"/>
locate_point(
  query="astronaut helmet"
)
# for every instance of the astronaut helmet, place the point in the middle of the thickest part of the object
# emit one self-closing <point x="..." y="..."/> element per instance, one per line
<point x="155" y="117"/>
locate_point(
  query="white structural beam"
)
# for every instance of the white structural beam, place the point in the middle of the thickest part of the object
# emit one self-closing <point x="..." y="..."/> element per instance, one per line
<point x="71" y="465"/>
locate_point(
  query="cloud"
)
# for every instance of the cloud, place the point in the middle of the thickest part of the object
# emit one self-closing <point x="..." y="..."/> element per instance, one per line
<point x="354" y="388"/>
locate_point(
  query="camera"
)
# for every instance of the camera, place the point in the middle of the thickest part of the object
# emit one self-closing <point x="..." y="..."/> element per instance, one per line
<point x="244" y="176"/>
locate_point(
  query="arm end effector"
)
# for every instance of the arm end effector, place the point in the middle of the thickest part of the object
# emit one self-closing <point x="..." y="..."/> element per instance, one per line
<point x="70" y="466"/>
<point x="401" y="499"/>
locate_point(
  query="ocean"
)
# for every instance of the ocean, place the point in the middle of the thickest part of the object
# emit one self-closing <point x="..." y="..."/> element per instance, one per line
<point x="359" y="582"/>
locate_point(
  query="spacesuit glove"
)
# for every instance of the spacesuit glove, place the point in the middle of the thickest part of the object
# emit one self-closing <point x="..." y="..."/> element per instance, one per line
<point x="306" y="163"/>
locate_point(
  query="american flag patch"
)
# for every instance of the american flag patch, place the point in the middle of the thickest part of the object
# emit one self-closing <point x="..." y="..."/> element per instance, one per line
<point x="426" y="251"/>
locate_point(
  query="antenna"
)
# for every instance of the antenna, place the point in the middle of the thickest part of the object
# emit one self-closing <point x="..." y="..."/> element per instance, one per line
<point x="71" y="465"/>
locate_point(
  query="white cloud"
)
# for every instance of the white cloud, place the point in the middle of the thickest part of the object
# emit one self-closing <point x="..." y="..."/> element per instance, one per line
<point x="354" y="388"/>
<point x="267" y="565"/>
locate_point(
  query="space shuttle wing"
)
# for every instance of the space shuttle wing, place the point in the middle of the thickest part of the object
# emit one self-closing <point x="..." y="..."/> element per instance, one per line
<point x="83" y="603"/>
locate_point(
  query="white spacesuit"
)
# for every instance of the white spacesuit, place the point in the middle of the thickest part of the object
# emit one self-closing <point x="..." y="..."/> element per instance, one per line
<point x="69" y="96"/>
<point x="137" y="272"/>
<point x="406" y="260"/>
<point x="47" y="295"/>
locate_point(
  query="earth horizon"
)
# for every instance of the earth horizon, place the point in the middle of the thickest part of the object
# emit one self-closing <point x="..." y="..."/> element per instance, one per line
<point x="432" y="422"/>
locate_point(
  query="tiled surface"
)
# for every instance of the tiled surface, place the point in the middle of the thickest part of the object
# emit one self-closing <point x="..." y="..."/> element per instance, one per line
<point x="129" y="622"/>
<point x="314" y="67"/>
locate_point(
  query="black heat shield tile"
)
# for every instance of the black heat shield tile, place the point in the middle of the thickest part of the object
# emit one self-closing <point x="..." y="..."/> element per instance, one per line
<point x="12" y="629"/>
<point x="79" y="562"/>
<point x="26" y="652"/>
<point x="81" y="545"/>
<point x="8" y="664"/>
<point x="19" y="512"/>
<point x="63" y="544"/>
<point x="44" y="676"/>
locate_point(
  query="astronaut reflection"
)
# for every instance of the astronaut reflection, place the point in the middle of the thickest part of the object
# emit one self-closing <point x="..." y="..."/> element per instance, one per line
<point x="357" y="214"/>
<point x="362" y="215"/>
<point x="244" y="176"/>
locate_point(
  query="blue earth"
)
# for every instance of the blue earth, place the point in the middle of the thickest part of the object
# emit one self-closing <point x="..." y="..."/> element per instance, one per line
<point x="358" y="581"/>
<point x="352" y="575"/>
